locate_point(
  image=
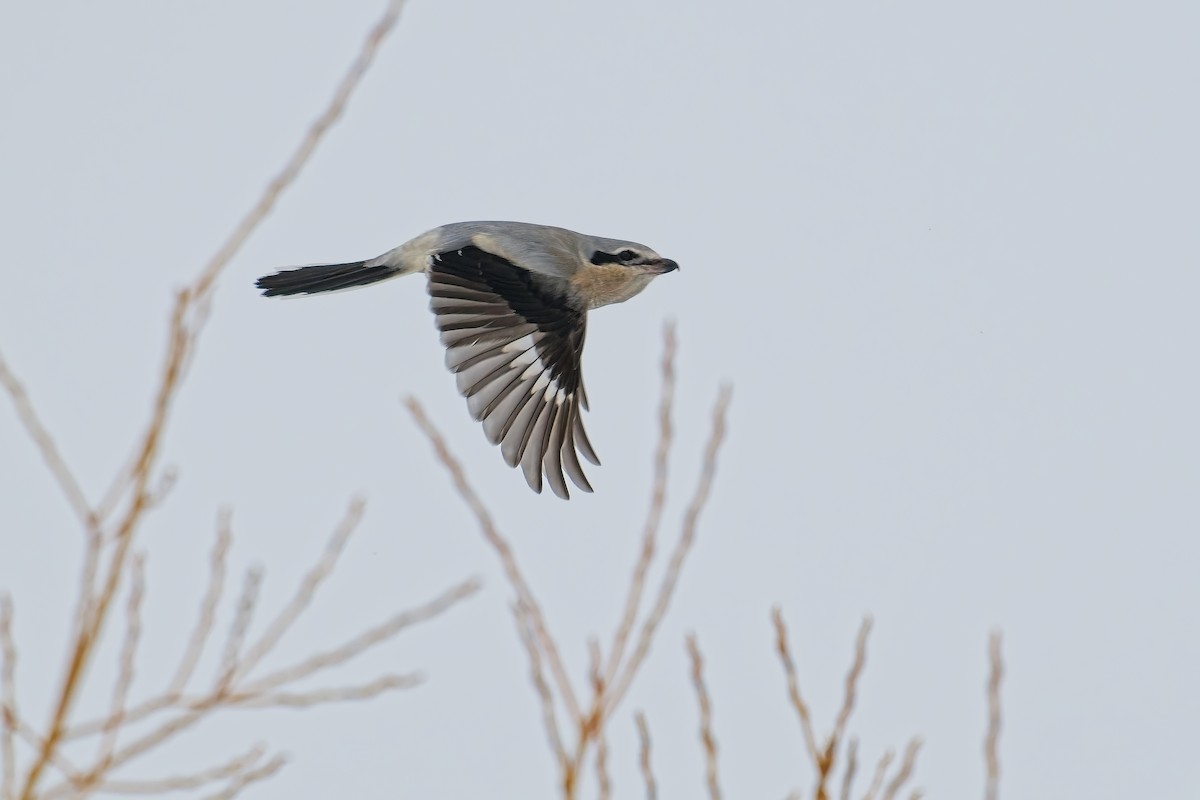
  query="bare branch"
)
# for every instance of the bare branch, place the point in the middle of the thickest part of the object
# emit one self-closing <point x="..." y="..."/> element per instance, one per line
<point x="131" y="483"/>
<point x="196" y="780"/>
<point x="304" y="592"/>
<point x="906" y="768"/>
<point x="687" y="536"/>
<point x="507" y="560"/>
<point x="644" y="756"/>
<point x="208" y="606"/>
<point x="45" y="444"/>
<point x="658" y="501"/>
<point x="706" y="733"/>
<point x="133" y="633"/>
<point x="851" y="766"/>
<point x="364" y="641"/>
<point x="856" y="668"/>
<point x="602" y="778"/>
<point x="343" y="694"/>
<point x="793" y="686"/>
<point x="247" y="602"/>
<point x="991" y="742"/>
<point x="248" y="777"/>
<point x="880" y="772"/>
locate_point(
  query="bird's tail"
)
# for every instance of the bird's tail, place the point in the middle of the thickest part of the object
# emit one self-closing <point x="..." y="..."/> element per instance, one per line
<point x="323" y="278"/>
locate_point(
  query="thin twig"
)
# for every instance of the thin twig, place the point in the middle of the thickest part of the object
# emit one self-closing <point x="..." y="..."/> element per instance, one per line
<point x="8" y="699"/>
<point x="602" y="778"/>
<point x="195" y="780"/>
<point x="208" y="606"/>
<point x="247" y="602"/>
<point x="880" y="772"/>
<point x="907" y="763"/>
<point x="856" y="668"/>
<point x="45" y="444"/>
<point x="341" y="694"/>
<point x="644" y="756"/>
<point x="363" y="641"/>
<point x="125" y="673"/>
<point x="538" y="676"/>
<point x="706" y="732"/>
<point x="691" y="519"/>
<point x="793" y="687"/>
<point x="658" y="501"/>
<point x="507" y="560"/>
<point x="851" y="766"/>
<point x="248" y="777"/>
<point x="991" y="742"/>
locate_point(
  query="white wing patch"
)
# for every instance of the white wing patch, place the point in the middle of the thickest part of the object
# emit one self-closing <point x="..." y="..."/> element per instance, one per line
<point x="520" y="377"/>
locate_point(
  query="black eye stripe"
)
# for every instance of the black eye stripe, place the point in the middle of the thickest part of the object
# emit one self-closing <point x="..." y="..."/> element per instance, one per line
<point x="620" y="257"/>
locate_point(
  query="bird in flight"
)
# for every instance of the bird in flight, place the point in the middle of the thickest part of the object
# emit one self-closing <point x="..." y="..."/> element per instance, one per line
<point x="511" y="302"/>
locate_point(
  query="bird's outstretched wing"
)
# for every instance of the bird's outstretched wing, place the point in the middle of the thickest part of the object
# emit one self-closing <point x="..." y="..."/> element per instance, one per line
<point x="514" y="340"/>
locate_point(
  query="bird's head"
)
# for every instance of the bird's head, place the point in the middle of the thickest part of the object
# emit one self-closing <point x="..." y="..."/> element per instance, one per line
<point x="616" y="270"/>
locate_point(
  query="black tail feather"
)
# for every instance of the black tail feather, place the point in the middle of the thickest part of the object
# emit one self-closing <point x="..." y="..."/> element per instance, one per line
<point x="322" y="278"/>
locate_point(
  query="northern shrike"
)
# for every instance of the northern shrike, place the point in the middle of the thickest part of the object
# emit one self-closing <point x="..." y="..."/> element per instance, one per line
<point x="511" y="302"/>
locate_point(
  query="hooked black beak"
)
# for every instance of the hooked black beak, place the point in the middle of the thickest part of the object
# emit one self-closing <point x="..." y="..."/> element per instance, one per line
<point x="664" y="266"/>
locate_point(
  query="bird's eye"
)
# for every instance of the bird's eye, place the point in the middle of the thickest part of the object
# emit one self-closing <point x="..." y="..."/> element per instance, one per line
<point x="626" y="256"/>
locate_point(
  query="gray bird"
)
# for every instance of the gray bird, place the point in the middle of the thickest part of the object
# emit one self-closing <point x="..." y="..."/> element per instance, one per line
<point x="511" y="302"/>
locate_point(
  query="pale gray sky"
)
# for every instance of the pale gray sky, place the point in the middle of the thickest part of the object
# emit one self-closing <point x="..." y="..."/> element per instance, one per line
<point x="945" y="253"/>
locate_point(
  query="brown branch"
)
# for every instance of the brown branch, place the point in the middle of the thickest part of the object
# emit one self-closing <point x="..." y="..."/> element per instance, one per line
<point x="658" y="501"/>
<point x="195" y="780"/>
<point x="793" y="687"/>
<point x="691" y="519"/>
<point x="991" y="742"/>
<point x="340" y="694"/>
<point x="45" y="444"/>
<point x="706" y="733"/>
<point x="507" y="560"/>
<point x="644" y="756"/>
<point x="125" y="672"/>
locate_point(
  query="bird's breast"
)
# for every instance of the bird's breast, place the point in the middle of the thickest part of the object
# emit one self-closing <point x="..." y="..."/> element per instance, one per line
<point x="605" y="284"/>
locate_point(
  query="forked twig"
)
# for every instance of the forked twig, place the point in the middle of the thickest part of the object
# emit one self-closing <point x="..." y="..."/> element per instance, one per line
<point x="907" y="763"/>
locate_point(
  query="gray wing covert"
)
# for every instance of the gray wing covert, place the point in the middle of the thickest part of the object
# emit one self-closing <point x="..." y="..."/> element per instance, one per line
<point x="514" y="341"/>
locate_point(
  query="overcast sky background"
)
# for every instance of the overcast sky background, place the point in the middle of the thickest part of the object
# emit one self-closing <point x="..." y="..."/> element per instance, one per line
<point x="946" y="253"/>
